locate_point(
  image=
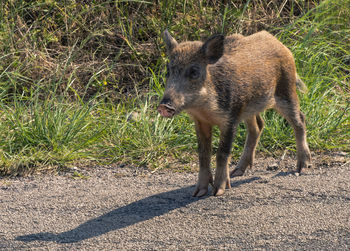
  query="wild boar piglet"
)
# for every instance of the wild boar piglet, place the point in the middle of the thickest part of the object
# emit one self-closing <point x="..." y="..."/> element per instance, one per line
<point x="226" y="80"/>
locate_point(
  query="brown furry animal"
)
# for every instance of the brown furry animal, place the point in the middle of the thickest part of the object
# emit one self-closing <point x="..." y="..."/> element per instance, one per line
<point x="224" y="81"/>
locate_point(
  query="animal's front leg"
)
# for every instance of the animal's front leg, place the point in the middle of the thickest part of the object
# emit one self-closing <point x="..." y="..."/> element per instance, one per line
<point x="204" y="132"/>
<point x="222" y="177"/>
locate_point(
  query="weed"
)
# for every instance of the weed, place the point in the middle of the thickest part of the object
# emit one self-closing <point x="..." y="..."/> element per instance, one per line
<point x="76" y="175"/>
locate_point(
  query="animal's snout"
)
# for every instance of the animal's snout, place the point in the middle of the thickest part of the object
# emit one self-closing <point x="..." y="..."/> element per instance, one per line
<point x="166" y="108"/>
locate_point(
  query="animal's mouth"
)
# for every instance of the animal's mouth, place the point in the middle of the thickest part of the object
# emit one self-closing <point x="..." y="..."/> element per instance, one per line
<point x="166" y="110"/>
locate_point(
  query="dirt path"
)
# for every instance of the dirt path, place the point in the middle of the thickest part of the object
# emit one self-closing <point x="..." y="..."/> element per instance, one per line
<point x="132" y="209"/>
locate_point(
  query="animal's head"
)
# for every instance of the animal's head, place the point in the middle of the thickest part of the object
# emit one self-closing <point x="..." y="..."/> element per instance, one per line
<point x="187" y="72"/>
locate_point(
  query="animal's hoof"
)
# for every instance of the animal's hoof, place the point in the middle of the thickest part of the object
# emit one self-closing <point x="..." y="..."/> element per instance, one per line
<point x="200" y="192"/>
<point x="218" y="192"/>
<point x="219" y="187"/>
<point x="302" y="166"/>
<point x="237" y="172"/>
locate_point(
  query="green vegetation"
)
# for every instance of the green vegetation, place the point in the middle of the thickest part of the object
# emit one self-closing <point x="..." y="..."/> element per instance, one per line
<point x="71" y="73"/>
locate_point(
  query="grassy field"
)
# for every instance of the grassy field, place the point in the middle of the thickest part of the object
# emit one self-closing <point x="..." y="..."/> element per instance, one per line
<point x="80" y="80"/>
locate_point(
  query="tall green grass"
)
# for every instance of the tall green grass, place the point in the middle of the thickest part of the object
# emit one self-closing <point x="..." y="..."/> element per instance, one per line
<point x="320" y="43"/>
<point x="46" y="133"/>
<point x="71" y="74"/>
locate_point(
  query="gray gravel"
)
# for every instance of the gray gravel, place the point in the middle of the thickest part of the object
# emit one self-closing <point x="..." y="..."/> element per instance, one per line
<point x="133" y="209"/>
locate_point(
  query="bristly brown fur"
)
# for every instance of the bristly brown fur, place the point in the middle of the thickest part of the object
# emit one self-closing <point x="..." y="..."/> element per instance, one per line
<point x="224" y="81"/>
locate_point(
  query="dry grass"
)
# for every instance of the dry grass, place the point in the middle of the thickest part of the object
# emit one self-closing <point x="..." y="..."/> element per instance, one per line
<point x="110" y="45"/>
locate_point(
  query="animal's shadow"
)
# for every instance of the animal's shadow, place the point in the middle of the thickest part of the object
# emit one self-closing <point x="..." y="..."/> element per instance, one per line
<point x="138" y="211"/>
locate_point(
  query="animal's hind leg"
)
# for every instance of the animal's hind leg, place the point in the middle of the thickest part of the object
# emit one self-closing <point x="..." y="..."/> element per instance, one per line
<point x="255" y="125"/>
<point x="289" y="108"/>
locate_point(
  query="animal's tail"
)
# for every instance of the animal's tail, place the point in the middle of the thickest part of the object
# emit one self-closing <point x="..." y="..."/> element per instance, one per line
<point x="301" y="85"/>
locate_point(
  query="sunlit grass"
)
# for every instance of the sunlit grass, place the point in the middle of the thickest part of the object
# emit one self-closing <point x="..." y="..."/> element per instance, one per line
<point x="70" y="76"/>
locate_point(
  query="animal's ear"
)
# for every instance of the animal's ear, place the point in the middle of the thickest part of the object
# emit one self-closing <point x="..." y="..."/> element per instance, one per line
<point x="170" y="42"/>
<point x="213" y="48"/>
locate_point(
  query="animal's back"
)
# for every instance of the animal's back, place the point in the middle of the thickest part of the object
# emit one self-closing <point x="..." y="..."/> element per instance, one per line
<point x="261" y="44"/>
<point x="252" y="68"/>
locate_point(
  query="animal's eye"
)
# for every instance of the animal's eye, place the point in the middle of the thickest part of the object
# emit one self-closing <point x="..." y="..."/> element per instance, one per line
<point x="193" y="72"/>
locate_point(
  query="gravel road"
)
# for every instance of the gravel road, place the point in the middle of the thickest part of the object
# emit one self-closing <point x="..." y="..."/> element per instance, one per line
<point x="114" y="208"/>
